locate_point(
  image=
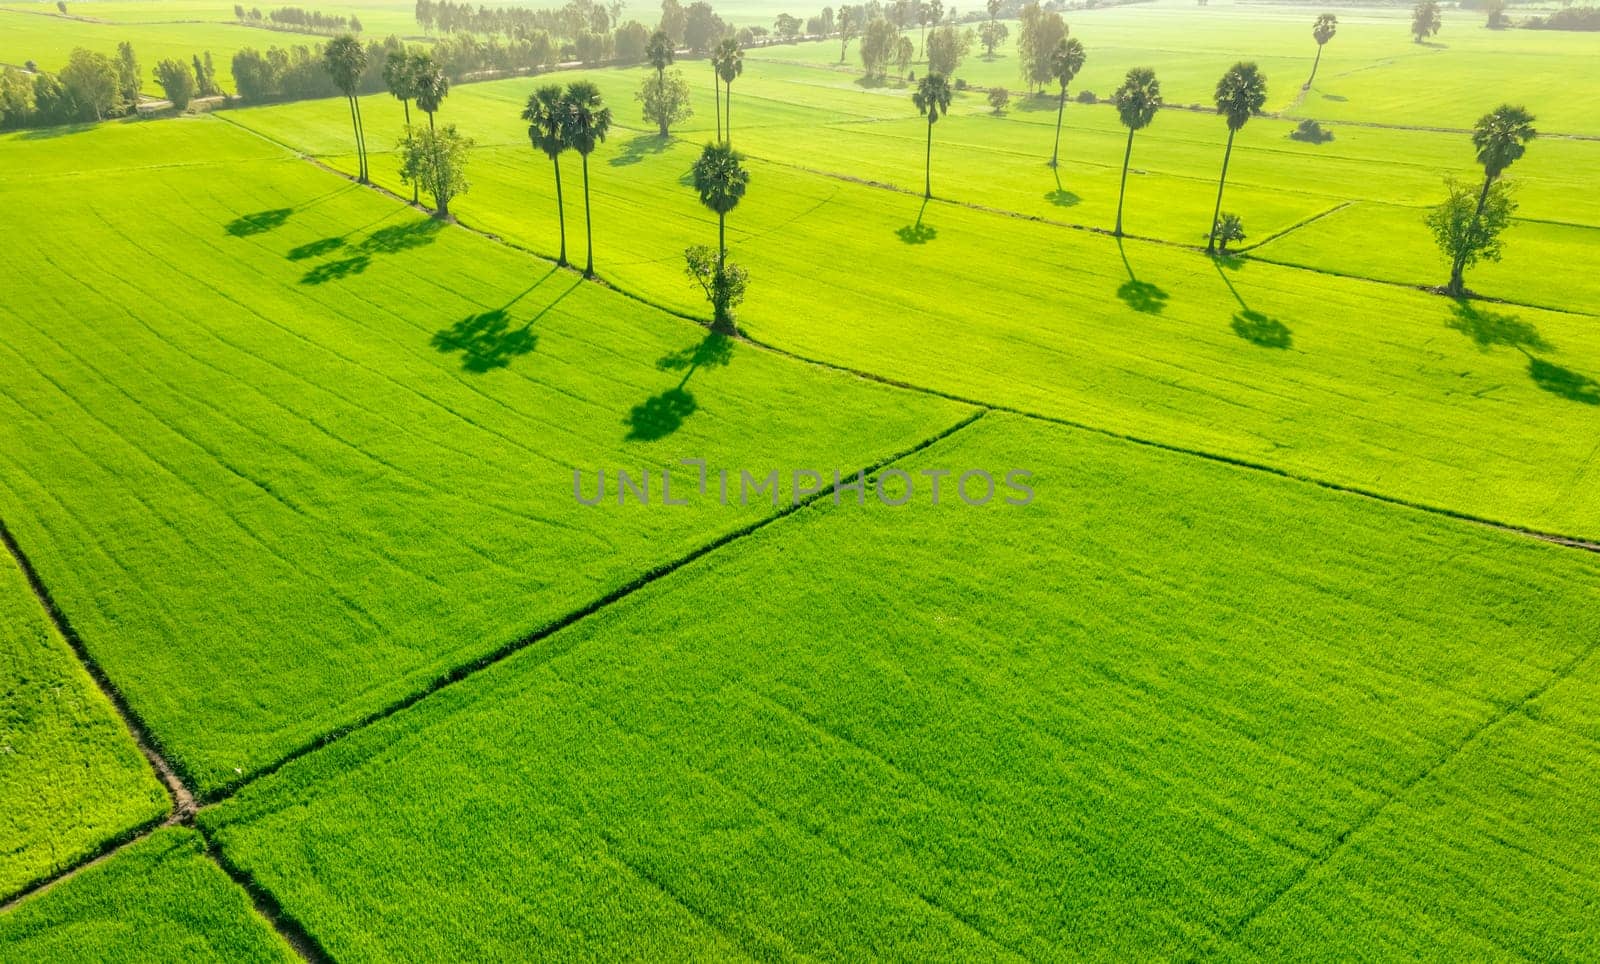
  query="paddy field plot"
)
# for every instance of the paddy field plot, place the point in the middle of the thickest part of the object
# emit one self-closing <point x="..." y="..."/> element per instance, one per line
<point x="286" y="451"/>
<point x="1170" y="708"/>
<point x="1468" y="407"/>
<point x="161" y="898"/>
<point x="71" y="779"/>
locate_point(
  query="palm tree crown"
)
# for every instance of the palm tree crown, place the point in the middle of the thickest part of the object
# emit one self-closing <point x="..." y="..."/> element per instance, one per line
<point x="720" y="177"/>
<point x="1138" y="98"/>
<point x="1240" y="94"/>
<point x="1066" y="60"/>
<point x="932" y="96"/>
<point x="1501" y="136"/>
<point x="398" y="75"/>
<point x="659" y="51"/>
<point x="545" y="115"/>
<point x="729" y="60"/>
<point x="1324" y="29"/>
<point x="432" y="84"/>
<point x="346" y="61"/>
<point x="584" y="122"/>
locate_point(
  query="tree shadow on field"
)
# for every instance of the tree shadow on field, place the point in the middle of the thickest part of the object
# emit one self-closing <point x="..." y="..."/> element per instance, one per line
<point x="660" y="415"/>
<point x="1247" y="323"/>
<point x="639" y="148"/>
<point x="1490" y="329"/>
<point x="316" y="249"/>
<point x="1061" y="197"/>
<point x="917" y="233"/>
<point x="335" y="270"/>
<point x="1141" y="296"/>
<point x="402" y="237"/>
<point x="1564" y="382"/>
<point x="59" y="130"/>
<point x="258" y="223"/>
<point x="491" y="339"/>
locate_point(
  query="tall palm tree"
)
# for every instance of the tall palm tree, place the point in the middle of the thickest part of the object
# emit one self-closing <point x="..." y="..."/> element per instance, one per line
<point x="585" y="121"/>
<point x="720" y="177"/>
<point x="729" y="61"/>
<point x="1065" y="62"/>
<point x="1240" y="94"/>
<point x="1322" y="31"/>
<point x="346" y="60"/>
<point x="545" y="113"/>
<point x="1501" y="137"/>
<point x="932" y="98"/>
<point x="659" y="52"/>
<point x="432" y="85"/>
<point x="399" y="76"/>
<point x="1137" y="101"/>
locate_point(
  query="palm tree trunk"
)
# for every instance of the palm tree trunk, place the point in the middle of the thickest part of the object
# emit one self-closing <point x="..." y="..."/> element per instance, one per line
<point x="927" y="167"/>
<point x="727" y="112"/>
<point x="1123" y="190"/>
<point x="1314" y="64"/>
<point x="430" y="120"/>
<point x="361" y="168"/>
<point x="1458" y="264"/>
<point x="588" y="223"/>
<point x="561" y="213"/>
<point x="1211" y="242"/>
<point x="407" y="105"/>
<point x="719" y="310"/>
<point x="1060" y="109"/>
<point x="361" y="139"/>
<point x="716" y="86"/>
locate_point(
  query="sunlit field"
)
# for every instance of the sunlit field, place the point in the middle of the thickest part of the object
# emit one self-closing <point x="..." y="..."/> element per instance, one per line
<point x="1277" y="635"/>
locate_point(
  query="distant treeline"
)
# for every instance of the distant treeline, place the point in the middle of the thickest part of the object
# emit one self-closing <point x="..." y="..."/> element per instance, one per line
<point x="297" y="71"/>
<point x="91" y="87"/>
<point x="1572" y="18"/>
<point x="298" y="18"/>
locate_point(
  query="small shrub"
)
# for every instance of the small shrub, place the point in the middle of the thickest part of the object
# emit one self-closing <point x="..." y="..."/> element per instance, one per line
<point x="1087" y="97"/>
<point x="961" y="83"/>
<point x="1311" y="132"/>
<point x="1230" y="228"/>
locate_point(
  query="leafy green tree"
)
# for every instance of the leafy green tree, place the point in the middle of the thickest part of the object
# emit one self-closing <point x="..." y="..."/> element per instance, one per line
<point x="904" y="52"/>
<point x="877" y="47"/>
<point x="127" y="74"/>
<point x="585" y="121"/>
<point x="1322" y="31"/>
<point x="1425" y="20"/>
<point x="437" y="160"/>
<point x="177" y="82"/>
<point x="546" y="116"/>
<point x="729" y="61"/>
<point x="720" y="178"/>
<point x="1137" y="101"/>
<point x="992" y="34"/>
<point x="1040" y="32"/>
<point x="849" y="29"/>
<point x="399" y="75"/>
<point x="16" y="98"/>
<point x="89" y="81"/>
<point x="932" y="98"/>
<point x="999" y="99"/>
<point x="346" y="60"/>
<point x="1467" y="230"/>
<point x="432" y="85"/>
<point x="1240" y="94"/>
<point x="1065" y="62"/>
<point x="1501" y="138"/>
<point x="947" y="46"/>
<point x="723" y="282"/>
<point x="665" y="100"/>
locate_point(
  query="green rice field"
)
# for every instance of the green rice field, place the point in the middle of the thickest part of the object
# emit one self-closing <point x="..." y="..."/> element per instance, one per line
<point x="1272" y="631"/>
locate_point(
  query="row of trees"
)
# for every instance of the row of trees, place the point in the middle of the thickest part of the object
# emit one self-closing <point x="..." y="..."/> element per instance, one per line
<point x="298" y="18"/>
<point x="91" y="87"/>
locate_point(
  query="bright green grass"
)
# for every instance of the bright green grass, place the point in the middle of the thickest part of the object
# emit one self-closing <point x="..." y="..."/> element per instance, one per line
<point x="1370" y="71"/>
<point x="1108" y="724"/>
<point x="276" y="490"/>
<point x="1361" y="384"/>
<point x="1541" y="264"/>
<point x="70" y="777"/>
<point x="161" y="899"/>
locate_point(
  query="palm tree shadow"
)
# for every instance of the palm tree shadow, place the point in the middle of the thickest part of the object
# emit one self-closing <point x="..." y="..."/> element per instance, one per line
<point x="917" y="233"/>
<point x="1247" y="323"/>
<point x="1141" y="296"/>
<point x="257" y="223"/>
<point x="1489" y="329"/>
<point x="1061" y="197"/>
<point x="316" y="249"/>
<point x="660" y="415"/>
<point x="335" y="270"/>
<point x="402" y="237"/>
<point x="639" y="148"/>
<point x="489" y="340"/>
